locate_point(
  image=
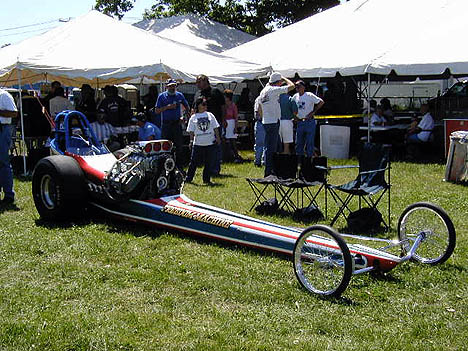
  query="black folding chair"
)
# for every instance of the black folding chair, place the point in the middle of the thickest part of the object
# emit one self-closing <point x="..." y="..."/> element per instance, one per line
<point x="374" y="163"/>
<point x="314" y="173"/>
<point x="285" y="170"/>
<point x="293" y="193"/>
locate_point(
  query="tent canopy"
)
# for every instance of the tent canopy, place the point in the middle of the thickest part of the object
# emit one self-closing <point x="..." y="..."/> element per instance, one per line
<point x="202" y="33"/>
<point x="97" y="49"/>
<point x="406" y="38"/>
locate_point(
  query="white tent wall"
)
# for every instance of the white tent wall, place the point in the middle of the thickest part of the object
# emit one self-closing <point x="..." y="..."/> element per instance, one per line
<point x="97" y="49"/>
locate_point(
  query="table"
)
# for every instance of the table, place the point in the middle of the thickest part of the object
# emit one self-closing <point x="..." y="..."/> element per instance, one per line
<point x="400" y="126"/>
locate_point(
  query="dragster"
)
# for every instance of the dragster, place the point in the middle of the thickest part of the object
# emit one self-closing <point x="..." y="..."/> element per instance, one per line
<point x="141" y="183"/>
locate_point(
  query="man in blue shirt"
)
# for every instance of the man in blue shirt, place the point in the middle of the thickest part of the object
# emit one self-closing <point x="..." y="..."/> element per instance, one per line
<point x="147" y="130"/>
<point x="169" y="106"/>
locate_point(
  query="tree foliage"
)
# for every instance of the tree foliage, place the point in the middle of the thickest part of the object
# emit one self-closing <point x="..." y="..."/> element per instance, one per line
<point x="256" y="17"/>
<point x="114" y="7"/>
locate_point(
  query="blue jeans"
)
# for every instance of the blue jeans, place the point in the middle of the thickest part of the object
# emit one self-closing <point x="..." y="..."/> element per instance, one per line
<point x="6" y="174"/>
<point x="305" y="137"/>
<point x="259" y="146"/>
<point x="202" y="155"/>
<point x="413" y="139"/>
<point x="271" y="145"/>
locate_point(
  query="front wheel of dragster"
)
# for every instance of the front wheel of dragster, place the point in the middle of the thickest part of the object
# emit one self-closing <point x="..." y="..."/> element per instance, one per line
<point x="59" y="188"/>
<point x="322" y="261"/>
<point x="436" y="227"/>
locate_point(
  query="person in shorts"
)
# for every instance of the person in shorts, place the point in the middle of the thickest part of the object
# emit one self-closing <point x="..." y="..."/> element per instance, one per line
<point x="286" y="130"/>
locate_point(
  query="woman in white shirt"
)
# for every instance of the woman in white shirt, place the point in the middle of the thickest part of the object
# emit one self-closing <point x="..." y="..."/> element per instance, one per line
<point x="204" y="136"/>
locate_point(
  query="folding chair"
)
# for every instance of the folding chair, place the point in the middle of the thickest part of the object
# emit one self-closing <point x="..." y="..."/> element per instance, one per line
<point x="374" y="162"/>
<point x="285" y="170"/>
<point x="314" y="172"/>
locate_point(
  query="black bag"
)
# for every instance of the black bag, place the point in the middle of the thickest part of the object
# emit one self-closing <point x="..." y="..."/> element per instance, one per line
<point x="364" y="220"/>
<point x="268" y="207"/>
<point x="308" y="214"/>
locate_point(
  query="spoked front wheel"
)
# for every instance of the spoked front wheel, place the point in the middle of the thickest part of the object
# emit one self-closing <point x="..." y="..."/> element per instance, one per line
<point x="322" y="261"/>
<point x="436" y="227"/>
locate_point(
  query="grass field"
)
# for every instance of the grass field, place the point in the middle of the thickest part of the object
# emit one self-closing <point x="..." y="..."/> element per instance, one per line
<point x="97" y="284"/>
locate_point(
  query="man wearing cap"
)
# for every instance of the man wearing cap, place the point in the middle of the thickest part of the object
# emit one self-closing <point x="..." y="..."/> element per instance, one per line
<point x="308" y="104"/>
<point x="271" y="114"/>
<point x="169" y="105"/>
<point x="7" y="112"/>
<point x="146" y="130"/>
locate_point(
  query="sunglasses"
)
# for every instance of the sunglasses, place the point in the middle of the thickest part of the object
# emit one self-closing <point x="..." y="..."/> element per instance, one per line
<point x="203" y="104"/>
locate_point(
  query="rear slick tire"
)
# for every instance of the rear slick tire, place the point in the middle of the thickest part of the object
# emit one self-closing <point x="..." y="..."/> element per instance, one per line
<point x="59" y="188"/>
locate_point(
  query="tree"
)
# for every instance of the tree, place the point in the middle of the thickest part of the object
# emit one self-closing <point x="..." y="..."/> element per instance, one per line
<point x="114" y="7"/>
<point x="257" y="17"/>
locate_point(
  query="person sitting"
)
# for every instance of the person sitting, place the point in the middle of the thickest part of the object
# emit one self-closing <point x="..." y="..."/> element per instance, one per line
<point x="387" y="109"/>
<point x="378" y="118"/>
<point x="421" y="132"/>
<point x="147" y="130"/>
<point x="59" y="103"/>
<point x="365" y="114"/>
<point x="105" y="132"/>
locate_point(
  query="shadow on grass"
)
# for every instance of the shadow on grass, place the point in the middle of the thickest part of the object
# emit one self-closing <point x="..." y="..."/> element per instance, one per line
<point x="224" y="175"/>
<point x="9" y="208"/>
<point x="452" y="268"/>
<point x="85" y="220"/>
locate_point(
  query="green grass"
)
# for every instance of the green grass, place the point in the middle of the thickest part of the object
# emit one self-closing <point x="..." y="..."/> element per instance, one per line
<point x="104" y="285"/>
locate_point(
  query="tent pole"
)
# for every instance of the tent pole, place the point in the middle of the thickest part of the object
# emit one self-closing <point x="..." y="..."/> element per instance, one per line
<point x="22" y="117"/>
<point x="368" y="107"/>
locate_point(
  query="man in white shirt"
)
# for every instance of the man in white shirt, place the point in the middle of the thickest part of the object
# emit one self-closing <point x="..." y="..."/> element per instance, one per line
<point x="59" y="102"/>
<point x="422" y="132"/>
<point x="7" y="112"/>
<point x="270" y="104"/>
<point x="308" y="104"/>
<point x="378" y="118"/>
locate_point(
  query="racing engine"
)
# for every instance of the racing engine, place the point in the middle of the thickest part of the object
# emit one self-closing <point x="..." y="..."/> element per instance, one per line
<point x="144" y="170"/>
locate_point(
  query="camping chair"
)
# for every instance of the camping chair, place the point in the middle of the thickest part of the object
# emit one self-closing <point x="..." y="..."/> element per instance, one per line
<point x="374" y="162"/>
<point x="313" y="173"/>
<point x="284" y="169"/>
<point x="293" y="192"/>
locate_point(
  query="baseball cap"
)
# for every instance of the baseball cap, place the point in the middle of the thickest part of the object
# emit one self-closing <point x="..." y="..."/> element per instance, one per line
<point x="300" y="82"/>
<point x="139" y="117"/>
<point x="275" y="77"/>
<point x="171" y="82"/>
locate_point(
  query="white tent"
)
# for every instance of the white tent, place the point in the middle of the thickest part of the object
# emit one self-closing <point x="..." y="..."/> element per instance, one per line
<point x="193" y="30"/>
<point x="416" y="37"/>
<point x="97" y="49"/>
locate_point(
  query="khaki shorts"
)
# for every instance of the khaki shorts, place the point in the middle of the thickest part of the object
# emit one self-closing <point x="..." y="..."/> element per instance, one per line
<point x="286" y="131"/>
